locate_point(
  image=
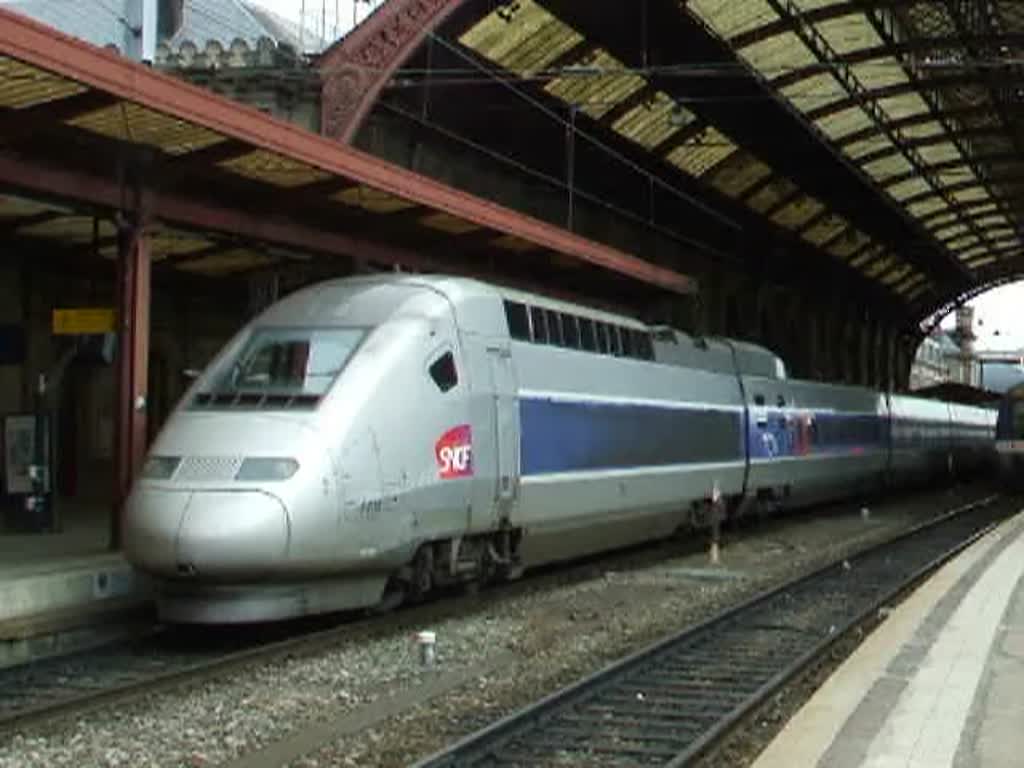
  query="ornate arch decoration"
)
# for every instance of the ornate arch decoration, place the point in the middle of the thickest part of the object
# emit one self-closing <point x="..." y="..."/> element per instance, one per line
<point x="354" y="70"/>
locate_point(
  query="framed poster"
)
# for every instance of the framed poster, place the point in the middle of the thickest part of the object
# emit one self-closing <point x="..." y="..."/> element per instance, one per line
<point x="19" y="451"/>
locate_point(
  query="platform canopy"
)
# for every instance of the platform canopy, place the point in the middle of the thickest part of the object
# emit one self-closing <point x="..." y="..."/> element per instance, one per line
<point x="881" y="136"/>
<point x="87" y="136"/>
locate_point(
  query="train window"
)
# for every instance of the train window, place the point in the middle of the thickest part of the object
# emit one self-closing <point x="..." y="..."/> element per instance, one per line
<point x="758" y="399"/>
<point x="554" y="328"/>
<point x="602" y="337"/>
<point x="626" y="335"/>
<point x="518" y="320"/>
<point x="613" y="340"/>
<point x="443" y="372"/>
<point x="540" y="326"/>
<point x="570" y="331"/>
<point x="587" y="338"/>
<point x="643" y="346"/>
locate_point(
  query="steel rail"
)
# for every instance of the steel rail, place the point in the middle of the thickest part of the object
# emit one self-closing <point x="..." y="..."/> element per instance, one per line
<point x="669" y="703"/>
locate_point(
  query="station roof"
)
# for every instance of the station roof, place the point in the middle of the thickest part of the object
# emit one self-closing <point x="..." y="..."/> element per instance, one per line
<point x="230" y="188"/>
<point x="883" y="136"/>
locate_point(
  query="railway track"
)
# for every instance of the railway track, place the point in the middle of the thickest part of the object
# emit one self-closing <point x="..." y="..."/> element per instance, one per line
<point x="166" y="658"/>
<point x="669" y="704"/>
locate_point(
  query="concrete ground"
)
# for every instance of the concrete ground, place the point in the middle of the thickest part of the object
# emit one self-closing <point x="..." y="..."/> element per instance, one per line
<point x="938" y="684"/>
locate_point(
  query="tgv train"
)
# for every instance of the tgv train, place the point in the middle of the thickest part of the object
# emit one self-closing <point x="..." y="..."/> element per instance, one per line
<point x="1010" y="438"/>
<point x="366" y="440"/>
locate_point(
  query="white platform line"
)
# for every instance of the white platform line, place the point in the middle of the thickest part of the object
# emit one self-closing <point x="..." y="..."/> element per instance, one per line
<point x="923" y="730"/>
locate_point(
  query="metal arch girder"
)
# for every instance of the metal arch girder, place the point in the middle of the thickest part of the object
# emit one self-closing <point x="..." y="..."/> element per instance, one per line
<point x="355" y="69"/>
<point x="936" y="312"/>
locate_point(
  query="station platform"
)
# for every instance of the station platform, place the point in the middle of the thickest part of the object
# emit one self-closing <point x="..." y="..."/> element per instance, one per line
<point x="938" y="683"/>
<point x="65" y="590"/>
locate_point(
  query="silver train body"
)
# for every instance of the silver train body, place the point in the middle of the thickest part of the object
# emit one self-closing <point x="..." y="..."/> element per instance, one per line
<point x="378" y="436"/>
<point x="1010" y="439"/>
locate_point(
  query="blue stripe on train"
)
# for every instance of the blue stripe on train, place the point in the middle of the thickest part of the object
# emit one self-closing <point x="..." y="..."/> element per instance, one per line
<point x="558" y="436"/>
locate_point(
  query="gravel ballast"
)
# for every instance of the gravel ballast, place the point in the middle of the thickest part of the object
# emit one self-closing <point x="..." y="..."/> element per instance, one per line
<point x="370" y="703"/>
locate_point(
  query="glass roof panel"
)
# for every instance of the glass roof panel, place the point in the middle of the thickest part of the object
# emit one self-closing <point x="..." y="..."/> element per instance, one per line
<point x="849" y="33"/>
<point x="25" y="86"/>
<point x="895" y="274"/>
<point x="926" y="206"/>
<point x="703" y="152"/>
<point x="824" y="230"/>
<point x="885" y="167"/>
<point x="771" y="194"/>
<point x="975" y="263"/>
<point x="778" y="55"/>
<point x="939" y="153"/>
<point x="947" y="232"/>
<point x="970" y="194"/>
<point x="596" y="94"/>
<point x="867" y="146"/>
<point x="648" y="123"/>
<point x="879" y="266"/>
<point x="811" y="93"/>
<point x="961" y="243"/>
<point x="799" y="212"/>
<point x="922" y="130"/>
<point x="879" y="73"/>
<point x="729" y="18"/>
<point x="849" y="243"/>
<point x="842" y="123"/>
<point x="738" y="174"/>
<point x="525" y="42"/>
<point x="908" y="188"/>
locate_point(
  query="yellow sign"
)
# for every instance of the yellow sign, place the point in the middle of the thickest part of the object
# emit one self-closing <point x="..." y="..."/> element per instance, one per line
<point x="93" y="320"/>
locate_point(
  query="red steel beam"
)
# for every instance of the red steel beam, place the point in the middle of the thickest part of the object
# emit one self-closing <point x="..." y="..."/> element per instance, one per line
<point x="54" y="52"/>
<point x="133" y="288"/>
<point x="356" y="68"/>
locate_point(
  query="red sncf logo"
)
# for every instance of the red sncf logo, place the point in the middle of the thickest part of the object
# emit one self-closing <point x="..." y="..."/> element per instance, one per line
<point x="454" y="452"/>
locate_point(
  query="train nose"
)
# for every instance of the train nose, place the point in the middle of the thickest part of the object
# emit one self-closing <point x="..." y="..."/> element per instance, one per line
<point x="209" y="534"/>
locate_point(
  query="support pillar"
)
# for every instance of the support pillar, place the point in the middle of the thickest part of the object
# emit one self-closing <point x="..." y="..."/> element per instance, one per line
<point x="133" y="298"/>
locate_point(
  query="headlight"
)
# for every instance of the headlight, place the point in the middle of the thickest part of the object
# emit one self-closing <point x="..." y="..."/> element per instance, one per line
<point x="267" y="469"/>
<point x="160" y="467"/>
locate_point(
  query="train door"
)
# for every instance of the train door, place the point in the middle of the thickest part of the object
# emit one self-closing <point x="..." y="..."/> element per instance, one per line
<point x="506" y="427"/>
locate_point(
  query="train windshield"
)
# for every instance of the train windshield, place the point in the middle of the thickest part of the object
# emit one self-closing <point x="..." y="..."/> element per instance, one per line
<point x="287" y="361"/>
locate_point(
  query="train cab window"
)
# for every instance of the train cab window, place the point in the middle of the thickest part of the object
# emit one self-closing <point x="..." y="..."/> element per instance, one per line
<point x="518" y="320"/>
<point x="570" y="331"/>
<point x="588" y="340"/>
<point x="443" y="372"/>
<point x="602" y="337"/>
<point x="540" y="325"/>
<point x="554" y="328"/>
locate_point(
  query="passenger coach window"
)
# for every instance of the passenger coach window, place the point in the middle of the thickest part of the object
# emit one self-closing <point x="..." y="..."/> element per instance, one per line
<point x="443" y="372"/>
<point x="644" y="348"/>
<point x="613" y="340"/>
<point x="518" y="321"/>
<point x="554" y="328"/>
<point x="602" y="338"/>
<point x="540" y="326"/>
<point x="627" y="341"/>
<point x="587" y="339"/>
<point x="570" y="332"/>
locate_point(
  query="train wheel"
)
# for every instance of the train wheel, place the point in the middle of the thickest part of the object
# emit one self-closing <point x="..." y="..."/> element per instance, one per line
<point x="421" y="581"/>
